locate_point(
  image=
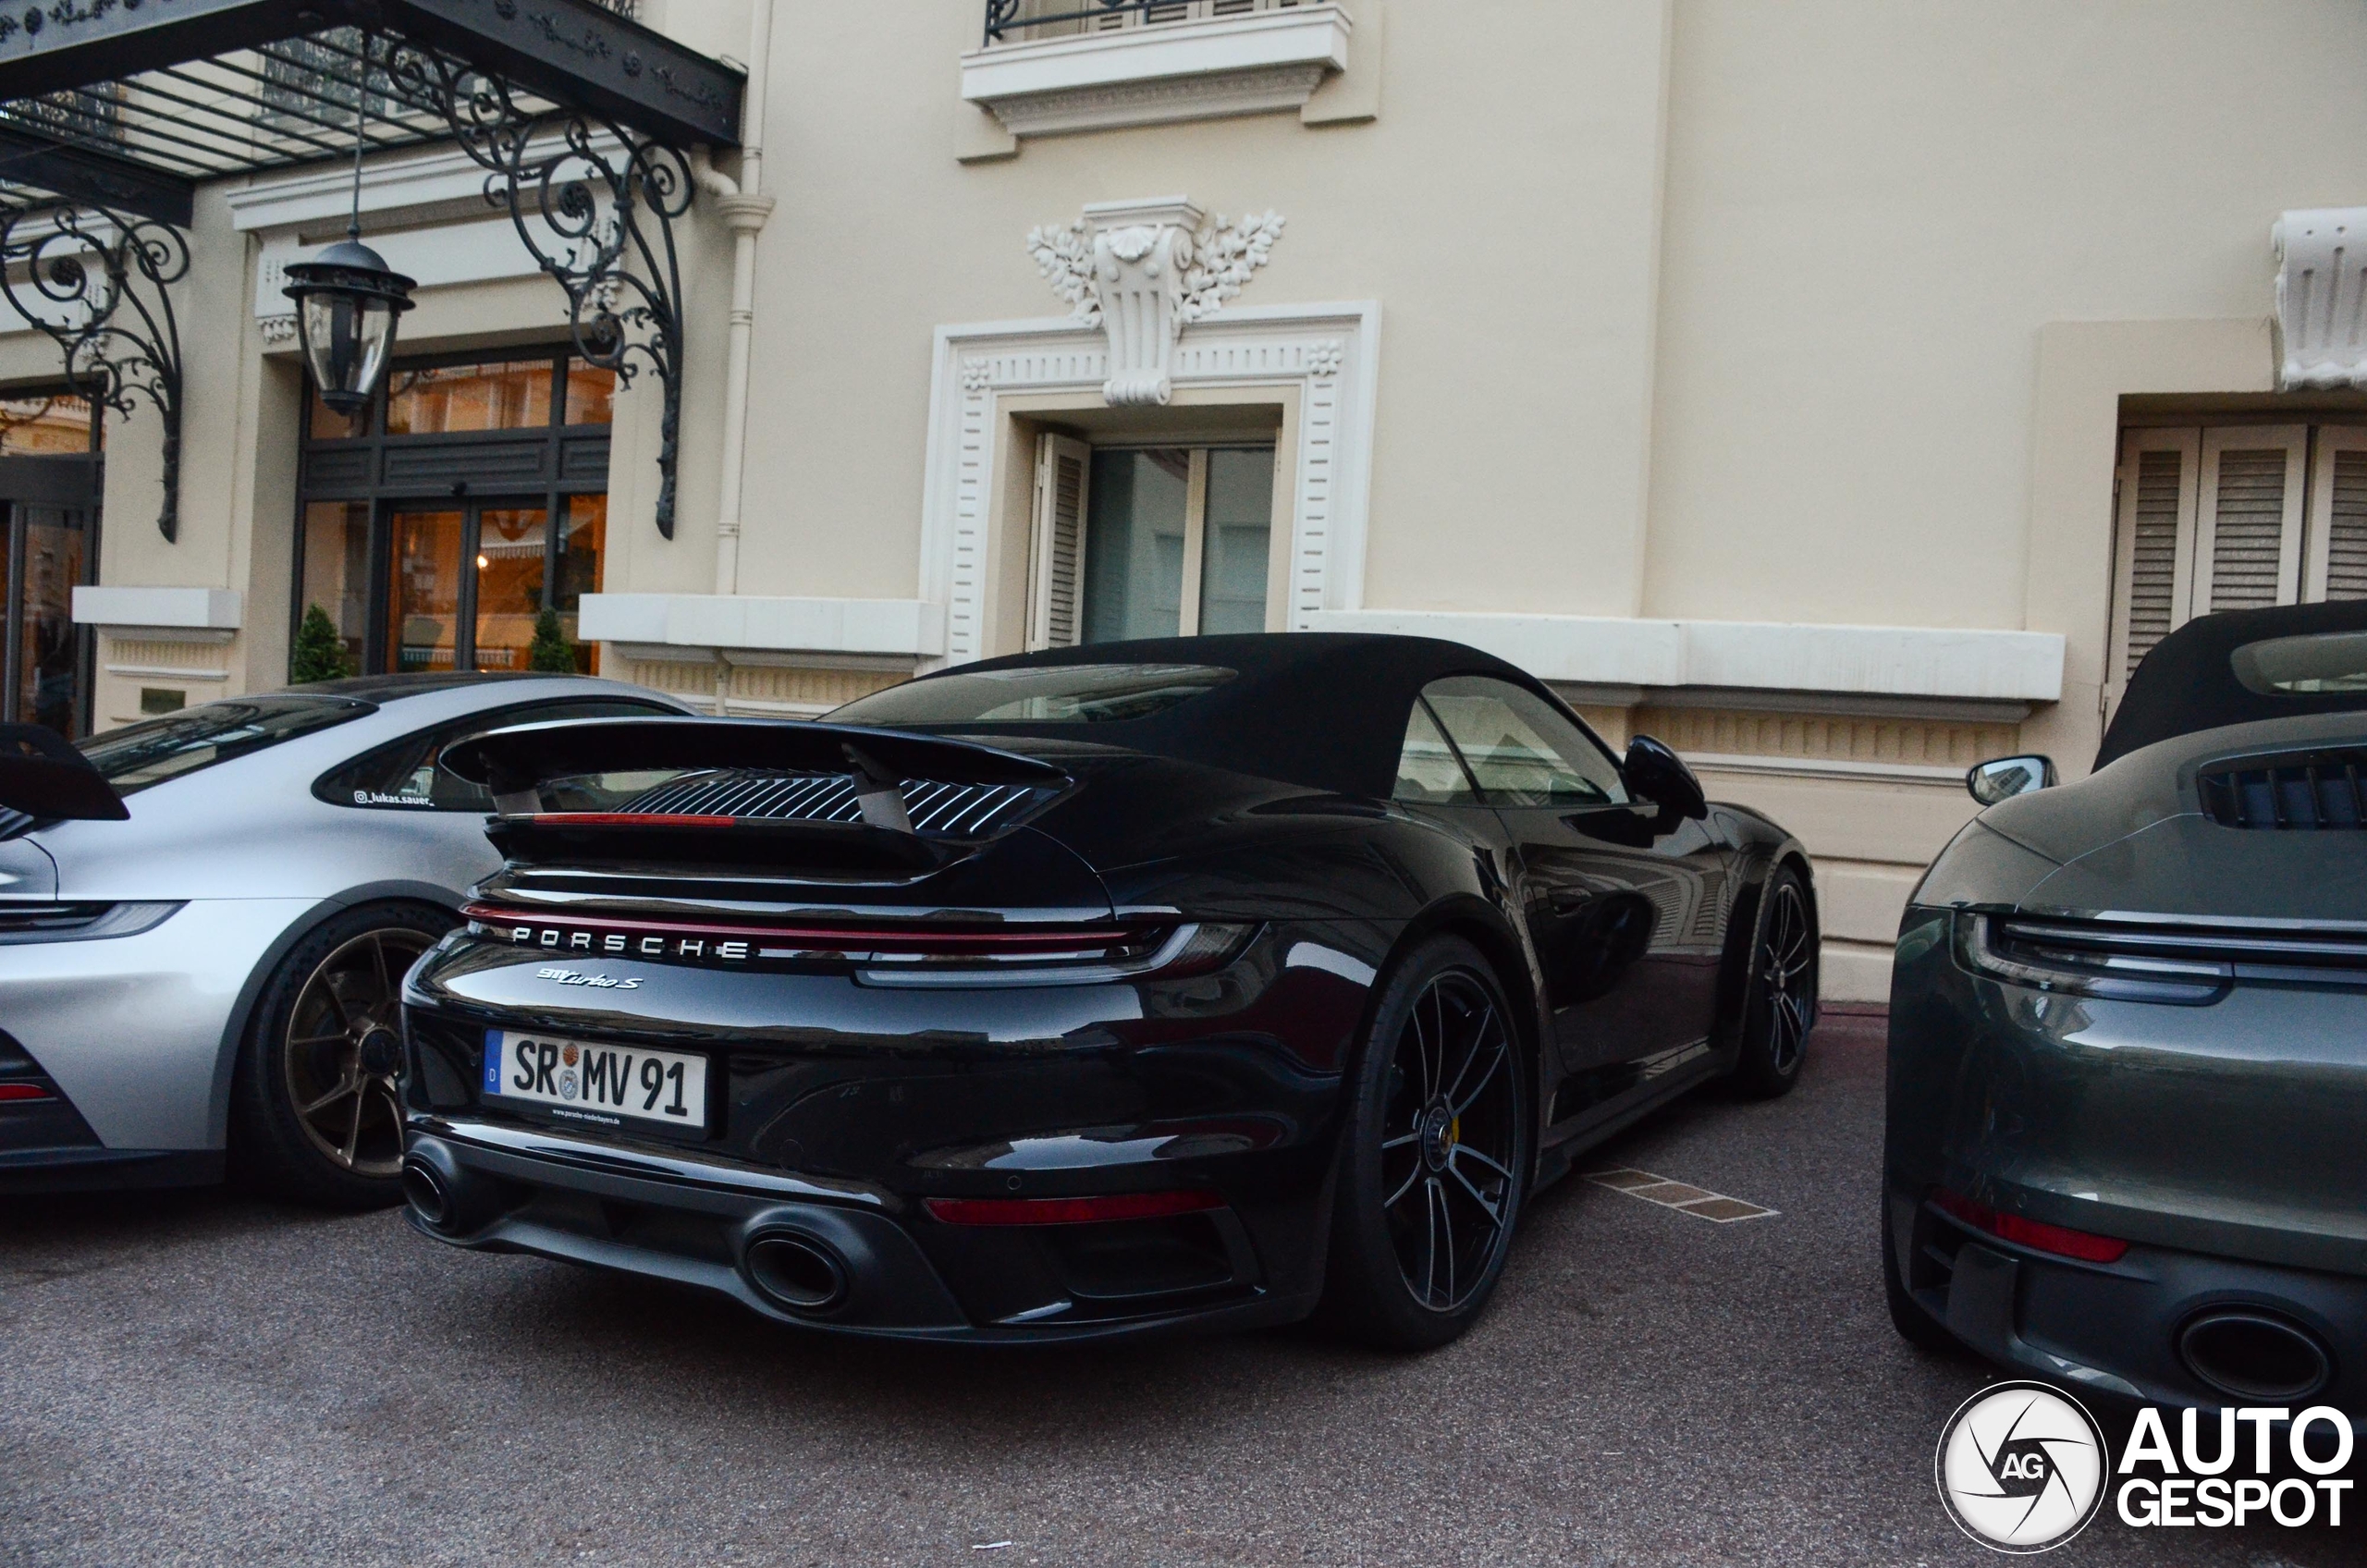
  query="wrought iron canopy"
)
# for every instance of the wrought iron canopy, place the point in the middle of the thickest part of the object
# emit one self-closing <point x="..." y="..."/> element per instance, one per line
<point x="113" y="111"/>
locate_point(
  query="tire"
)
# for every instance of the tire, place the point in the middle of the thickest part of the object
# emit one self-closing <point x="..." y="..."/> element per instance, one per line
<point x="313" y="1110"/>
<point x="1915" y="1326"/>
<point x="1434" y="1154"/>
<point x="1779" y="992"/>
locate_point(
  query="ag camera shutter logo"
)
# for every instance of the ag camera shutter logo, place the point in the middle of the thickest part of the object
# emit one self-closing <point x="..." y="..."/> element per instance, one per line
<point x="2022" y="1467"/>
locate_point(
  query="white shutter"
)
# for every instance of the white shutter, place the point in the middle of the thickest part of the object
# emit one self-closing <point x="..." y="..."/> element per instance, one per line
<point x="2154" y="547"/>
<point x="1063" y="468"/>
<point x="2336" y="567"/>
<point x="2248" y="546"/>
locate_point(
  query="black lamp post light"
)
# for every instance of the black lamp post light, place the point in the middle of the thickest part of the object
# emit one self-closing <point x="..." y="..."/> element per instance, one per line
<point x="348" y="300"/>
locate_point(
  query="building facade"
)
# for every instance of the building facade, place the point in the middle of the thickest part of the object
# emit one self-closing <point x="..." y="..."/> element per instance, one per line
<point x="1843" y="392"/>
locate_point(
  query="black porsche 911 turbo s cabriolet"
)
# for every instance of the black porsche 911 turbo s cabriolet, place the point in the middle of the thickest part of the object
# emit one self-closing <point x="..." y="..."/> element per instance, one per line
<point x="2128" y="1094"/>
<point x="1197" y="981"/>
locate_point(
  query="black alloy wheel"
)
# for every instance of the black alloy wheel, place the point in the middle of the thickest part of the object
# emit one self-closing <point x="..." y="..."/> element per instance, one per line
<point x="319" y="1112"/>
<point x="1779" y="1001"/>
<point x="1434" y="1157"/>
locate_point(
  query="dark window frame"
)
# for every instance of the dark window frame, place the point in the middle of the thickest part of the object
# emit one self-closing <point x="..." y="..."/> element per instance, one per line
<point x="453" y="492"/>
<point x="12" y="569"/>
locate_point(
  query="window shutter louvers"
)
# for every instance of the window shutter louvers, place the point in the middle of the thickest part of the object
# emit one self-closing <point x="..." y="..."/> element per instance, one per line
<point x="2338" y="566"/>
<point x="1063" y="468"/>
<point x="2156" y="544"/>
<point x="2250" y="553"/>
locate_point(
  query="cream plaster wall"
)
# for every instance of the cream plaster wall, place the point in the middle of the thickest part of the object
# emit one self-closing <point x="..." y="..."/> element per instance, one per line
<point x="1506" y="196"/>
<point x="1872" y="212"/>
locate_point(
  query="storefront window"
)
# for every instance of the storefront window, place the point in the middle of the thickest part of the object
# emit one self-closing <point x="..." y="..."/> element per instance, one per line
<point x="445" y="399"/>
<point x="423" y="600"/>
<point x="511" y="543"/>
<point x="336" y="571"/>
<point x="580" y="549"/>
<point x="591" y="394"/>
<point x="433" y="534"/>
<point x="45" y="426"/>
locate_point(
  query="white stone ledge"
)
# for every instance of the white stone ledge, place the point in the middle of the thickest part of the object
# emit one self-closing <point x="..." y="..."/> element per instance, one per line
<point x="912" y="628"/>
<point x="1905" y="661"/>
<point x="1159" y="74"/>
<point x="166" y="609"/>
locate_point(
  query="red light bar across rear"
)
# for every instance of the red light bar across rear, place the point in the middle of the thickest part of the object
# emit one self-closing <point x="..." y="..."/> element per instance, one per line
<point x="24" y="1092"/>
<point x="2034" y="1234"/>
<point x="1069" y="1211"/>
<point x="882" y="938"/>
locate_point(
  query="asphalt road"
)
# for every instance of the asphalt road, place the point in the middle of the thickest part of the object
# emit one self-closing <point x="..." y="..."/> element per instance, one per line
<point x="203" y="1378"/>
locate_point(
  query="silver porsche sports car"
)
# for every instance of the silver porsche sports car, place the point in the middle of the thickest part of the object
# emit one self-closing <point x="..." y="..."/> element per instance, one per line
<point x="205" y="918"/>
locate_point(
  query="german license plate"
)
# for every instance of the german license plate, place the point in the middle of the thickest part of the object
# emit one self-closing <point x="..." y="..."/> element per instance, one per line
<point x="607" y="1085"/>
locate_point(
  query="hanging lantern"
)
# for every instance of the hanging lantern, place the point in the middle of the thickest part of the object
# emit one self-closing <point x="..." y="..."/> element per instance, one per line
<point x="347" y="302"/>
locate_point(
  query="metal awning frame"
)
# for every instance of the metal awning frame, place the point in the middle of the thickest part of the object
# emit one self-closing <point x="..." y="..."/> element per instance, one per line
<point x="581" y="119"/>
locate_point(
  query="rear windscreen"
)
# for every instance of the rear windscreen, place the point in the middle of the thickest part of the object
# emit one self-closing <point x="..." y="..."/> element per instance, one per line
<point x="1066" y="694"/>
<point x="2315" y="664"/>
<point x="154" y="750"/>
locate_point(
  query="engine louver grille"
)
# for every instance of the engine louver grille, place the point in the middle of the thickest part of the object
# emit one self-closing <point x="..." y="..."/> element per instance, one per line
<point x="949" y="811"/>
<point x="2324" y="790"/>
<point x="41" y="919"/>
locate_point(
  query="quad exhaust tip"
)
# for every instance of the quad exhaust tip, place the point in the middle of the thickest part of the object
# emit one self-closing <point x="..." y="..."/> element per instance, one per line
<point x="794" y="1270"/>
<point x="429" y="1197"/>
<point x="2254" y="1355"/>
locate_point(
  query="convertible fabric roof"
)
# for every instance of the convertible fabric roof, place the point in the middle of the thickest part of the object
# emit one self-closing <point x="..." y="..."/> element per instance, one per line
<point x="1326" y="710"/>
<point x="2189" y="682"/>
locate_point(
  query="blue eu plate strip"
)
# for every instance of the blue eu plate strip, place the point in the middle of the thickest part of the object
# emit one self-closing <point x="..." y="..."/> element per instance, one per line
<point x="493" y="1062"/>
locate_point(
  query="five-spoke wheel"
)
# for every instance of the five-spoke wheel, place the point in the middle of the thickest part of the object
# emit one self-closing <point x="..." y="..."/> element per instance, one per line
<point x="317" y="1112"/>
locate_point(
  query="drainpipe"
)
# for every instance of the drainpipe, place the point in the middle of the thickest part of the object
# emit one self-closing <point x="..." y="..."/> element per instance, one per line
<point x="745" y="208"/>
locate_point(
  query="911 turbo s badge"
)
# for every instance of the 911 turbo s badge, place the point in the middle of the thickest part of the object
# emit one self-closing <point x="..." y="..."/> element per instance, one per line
<point x="577" y="978"/>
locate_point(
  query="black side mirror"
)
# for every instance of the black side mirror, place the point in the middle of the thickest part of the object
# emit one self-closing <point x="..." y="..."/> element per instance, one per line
<point x="2000" y="778"/>
<point x="1658" y="775"/>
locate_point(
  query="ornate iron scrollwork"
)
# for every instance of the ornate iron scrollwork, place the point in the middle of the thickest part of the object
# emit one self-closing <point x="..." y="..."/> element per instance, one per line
<point x="97" y="281"/>
<point x="595" y="203"/>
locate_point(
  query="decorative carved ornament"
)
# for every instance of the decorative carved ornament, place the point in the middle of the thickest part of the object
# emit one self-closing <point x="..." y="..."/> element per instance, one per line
<point x="2320" y="287"/>
<point x="1141" y="271"/>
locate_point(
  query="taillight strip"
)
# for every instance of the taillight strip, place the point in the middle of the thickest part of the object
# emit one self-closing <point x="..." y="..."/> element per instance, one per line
<point x="1063" y="936"/>
<point x="2037" y="1234"/>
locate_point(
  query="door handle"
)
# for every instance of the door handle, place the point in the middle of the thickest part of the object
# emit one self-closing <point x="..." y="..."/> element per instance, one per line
<point x="1567" y="900"/>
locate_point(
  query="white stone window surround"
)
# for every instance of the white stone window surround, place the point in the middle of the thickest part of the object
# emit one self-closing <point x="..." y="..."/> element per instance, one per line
<point x="1195" y="69"/>
<point x="1329" y="352"/>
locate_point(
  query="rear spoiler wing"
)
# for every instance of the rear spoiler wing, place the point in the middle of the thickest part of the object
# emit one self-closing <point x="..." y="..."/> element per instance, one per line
<point x="510" y="763"/>
<point x="48" y="780"/>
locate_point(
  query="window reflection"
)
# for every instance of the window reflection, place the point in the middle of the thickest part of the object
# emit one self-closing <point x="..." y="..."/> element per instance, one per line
<point x="510" y="545"/>
<point x="579" y="571"/>
<point x="336" y="571"/>
<point x="1137" y="512"/>
<point x="45" y="426"/>
<point x="591" y="394"/>
<point x="442" y="399"/>
<point x="424" y="598"/>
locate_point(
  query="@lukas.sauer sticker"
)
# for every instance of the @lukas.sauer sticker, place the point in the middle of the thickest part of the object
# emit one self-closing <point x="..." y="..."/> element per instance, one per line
<point x="2022" y="1467"/>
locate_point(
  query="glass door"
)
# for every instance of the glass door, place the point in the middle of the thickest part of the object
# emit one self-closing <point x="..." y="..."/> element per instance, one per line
<point x="465" y="585"/>
<point x="48" y="522"/>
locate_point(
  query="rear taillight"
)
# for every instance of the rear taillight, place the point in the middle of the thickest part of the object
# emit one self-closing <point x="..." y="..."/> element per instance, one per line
<point x="1069" y="1211"/>
<point x="2034" y="1234"/>
<point x="23" y="1092"/>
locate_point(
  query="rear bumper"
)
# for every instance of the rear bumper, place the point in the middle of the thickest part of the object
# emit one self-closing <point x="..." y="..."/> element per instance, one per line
<point x="2118" y="1329"/>
<point x="901" y="1275"/>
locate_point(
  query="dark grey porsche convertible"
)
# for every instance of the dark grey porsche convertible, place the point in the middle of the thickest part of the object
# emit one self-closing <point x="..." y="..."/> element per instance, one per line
<point x="1091" y="992"/>
<point x="2127" y="1117"/>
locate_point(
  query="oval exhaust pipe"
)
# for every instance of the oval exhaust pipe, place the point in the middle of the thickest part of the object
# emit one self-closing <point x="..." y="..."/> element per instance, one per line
<point x="795" y="1271"/>
<point x="2259" y="1356"/>
<point x="429" y="1197"/>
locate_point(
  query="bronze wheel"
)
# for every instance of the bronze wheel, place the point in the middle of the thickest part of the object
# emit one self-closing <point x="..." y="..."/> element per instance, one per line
<point x="343" y="1049"/>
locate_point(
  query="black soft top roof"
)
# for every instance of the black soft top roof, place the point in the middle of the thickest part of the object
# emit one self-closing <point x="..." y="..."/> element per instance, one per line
<point x="1326" y="710"/>
<point x="2188" y="682"/>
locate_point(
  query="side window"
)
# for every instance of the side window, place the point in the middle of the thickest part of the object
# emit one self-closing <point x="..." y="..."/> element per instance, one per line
<point x="402" y="774"/>
<point x="1521" y="749"/>
<point x="1428" y="770"/>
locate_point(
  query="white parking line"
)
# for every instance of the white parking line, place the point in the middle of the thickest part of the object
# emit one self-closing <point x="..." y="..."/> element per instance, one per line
<point x="1669" y="1192"/>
